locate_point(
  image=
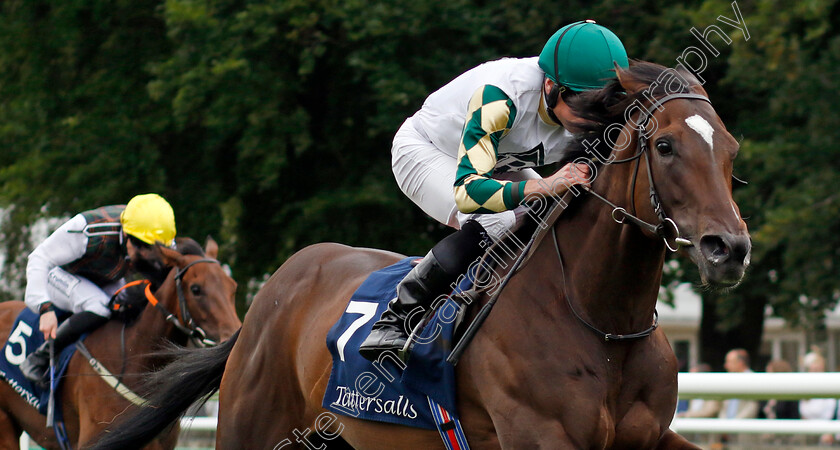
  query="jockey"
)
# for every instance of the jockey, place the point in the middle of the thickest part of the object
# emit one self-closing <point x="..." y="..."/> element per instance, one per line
<point x="482" y="133"/>
<point x="82" y="264"/>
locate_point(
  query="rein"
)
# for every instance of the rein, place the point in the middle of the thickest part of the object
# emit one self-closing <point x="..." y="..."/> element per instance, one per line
<point x="607" y="337"/>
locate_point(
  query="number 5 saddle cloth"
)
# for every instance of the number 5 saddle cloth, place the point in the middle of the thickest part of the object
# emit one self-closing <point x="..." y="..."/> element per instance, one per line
<point x="23" y="340"/>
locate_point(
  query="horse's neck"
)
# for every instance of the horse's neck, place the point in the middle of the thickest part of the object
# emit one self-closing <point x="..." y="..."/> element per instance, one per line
<point x="152" y="331"/>
<point x="613" y="271"/>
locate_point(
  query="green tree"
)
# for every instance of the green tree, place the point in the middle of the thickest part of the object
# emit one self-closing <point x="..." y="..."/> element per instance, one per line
<point x="268" y="124"/>
<point x="783" y="81"/>
<point x="75" y="116"/>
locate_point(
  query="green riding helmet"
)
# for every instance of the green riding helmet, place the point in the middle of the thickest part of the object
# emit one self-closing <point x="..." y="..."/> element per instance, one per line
<point x="580" y="56"/>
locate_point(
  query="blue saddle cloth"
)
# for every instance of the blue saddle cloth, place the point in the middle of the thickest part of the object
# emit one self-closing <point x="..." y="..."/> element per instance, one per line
<point x="388" y="390"/>
<point x="23" y="340"/>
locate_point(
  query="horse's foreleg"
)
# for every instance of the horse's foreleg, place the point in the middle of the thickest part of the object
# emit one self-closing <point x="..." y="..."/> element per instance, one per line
<point x="9" y="433"/>
<point x="673" y="441"/>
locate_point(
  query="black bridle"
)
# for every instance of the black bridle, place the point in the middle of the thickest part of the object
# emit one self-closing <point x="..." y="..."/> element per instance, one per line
<point x="189" y="327"/>
<point x="620" y="214"/>
<point x="666" y="229"/>
<point x="193" y="331"/>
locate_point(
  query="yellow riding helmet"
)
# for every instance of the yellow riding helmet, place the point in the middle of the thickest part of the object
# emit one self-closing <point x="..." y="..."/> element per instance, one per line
<point x="149" y="217"/>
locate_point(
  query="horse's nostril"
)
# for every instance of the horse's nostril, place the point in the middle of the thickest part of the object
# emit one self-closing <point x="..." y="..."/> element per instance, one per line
<point x="731" y="248"/>
<point x="714" y="248"/>
<point x="741" y="249"/>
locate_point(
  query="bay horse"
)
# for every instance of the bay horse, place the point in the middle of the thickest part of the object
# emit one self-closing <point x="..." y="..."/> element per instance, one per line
<point x="540" y="373"/>
<point x="89" y="404"/>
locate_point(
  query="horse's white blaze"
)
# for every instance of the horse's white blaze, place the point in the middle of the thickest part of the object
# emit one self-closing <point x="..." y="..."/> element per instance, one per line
<point x="702" y="127"/>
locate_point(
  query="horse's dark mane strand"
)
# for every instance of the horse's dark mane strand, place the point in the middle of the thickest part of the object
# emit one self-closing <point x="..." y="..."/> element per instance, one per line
<point x="188" y="246"/>
<point x="606" y="106"/>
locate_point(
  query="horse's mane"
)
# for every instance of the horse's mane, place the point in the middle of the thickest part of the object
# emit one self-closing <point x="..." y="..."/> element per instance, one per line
<point x="188" y="246"/>
<point x="606" y="106"/>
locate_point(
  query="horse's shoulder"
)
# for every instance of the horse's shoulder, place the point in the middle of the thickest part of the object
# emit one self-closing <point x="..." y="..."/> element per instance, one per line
<point x="8" y="313"/>
<point x="12" y="306"/>
<point x="10" y="310"/>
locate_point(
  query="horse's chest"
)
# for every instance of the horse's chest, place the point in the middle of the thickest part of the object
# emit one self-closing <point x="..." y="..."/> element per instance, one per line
<point x="596" y="397"/>
<point x="641" y="400"/>
<point x="620" y="404"/>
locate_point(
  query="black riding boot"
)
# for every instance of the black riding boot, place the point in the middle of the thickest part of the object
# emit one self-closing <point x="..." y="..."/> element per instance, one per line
<point x="35" y="367"/>
<point x="441" y="267"/>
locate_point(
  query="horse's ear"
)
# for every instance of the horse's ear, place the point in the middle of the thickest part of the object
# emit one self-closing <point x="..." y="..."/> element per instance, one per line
<point x="211" y="248"/>
<point x="630" y="84"/>
<point x="170" y="257"/>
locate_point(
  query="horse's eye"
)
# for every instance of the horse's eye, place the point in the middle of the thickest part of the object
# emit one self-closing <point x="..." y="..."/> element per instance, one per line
<point x="195" y="289"/>
<point x="664" y="148"/>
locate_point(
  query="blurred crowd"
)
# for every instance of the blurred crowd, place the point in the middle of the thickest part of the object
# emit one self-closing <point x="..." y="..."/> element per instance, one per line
<point x="738" y="360"/>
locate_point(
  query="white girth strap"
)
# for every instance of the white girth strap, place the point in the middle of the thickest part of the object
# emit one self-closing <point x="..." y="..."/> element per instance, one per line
<point x="110" y="378"/>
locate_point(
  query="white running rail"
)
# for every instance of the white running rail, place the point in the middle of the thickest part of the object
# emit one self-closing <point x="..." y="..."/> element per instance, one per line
<point x="757" y="386"/>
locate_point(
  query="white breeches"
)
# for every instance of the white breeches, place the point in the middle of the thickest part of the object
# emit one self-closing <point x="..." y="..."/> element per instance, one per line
<point x="426" y="175"/>
<point x="76" y="294"/>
